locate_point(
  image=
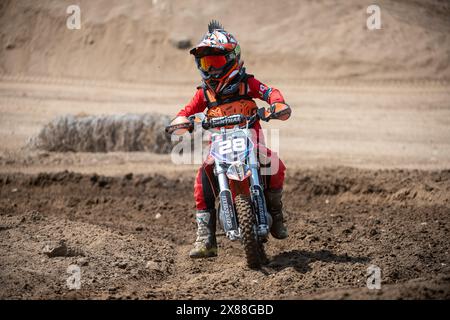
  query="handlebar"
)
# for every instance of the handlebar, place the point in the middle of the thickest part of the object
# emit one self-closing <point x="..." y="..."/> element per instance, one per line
<point x="232" y="120"/>
<point x="211" y="123"/>
<point x="236" y="119"/>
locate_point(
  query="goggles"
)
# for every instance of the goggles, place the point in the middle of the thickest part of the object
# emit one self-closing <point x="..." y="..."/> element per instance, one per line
<point x="208" y="62"/>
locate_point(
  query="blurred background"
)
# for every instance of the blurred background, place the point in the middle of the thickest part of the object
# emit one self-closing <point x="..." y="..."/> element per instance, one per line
<point x="361" y="97"/>
<point x="147" y="40"/>
<point x="365" y="98"/>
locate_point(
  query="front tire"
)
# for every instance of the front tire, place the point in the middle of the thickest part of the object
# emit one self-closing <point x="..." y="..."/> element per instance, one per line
<point x="253" y="249"/>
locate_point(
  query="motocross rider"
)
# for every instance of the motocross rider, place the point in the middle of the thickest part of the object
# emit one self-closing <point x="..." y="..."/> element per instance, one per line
<point x="227" y="89"/>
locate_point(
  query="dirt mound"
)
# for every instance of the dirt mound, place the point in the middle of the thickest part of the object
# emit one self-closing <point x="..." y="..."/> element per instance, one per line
<point x="107" y="133"/>
<point x="381" y="185"/>
<point x="140" y="41"/>
<point x="109" y="260"/>
<point x="131" y="235"/>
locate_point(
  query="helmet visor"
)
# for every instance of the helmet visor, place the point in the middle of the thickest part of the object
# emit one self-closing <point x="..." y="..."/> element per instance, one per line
<point x="208" y="62"/>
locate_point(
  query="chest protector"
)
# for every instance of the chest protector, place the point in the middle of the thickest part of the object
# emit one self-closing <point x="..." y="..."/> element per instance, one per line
<point x="237" y="103"/>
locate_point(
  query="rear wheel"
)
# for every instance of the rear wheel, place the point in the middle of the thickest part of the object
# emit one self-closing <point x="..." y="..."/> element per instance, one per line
<point x="254" y="250"/>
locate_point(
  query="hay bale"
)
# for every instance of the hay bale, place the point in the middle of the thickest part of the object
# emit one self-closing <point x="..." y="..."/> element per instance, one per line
<point x="105" y="133"/>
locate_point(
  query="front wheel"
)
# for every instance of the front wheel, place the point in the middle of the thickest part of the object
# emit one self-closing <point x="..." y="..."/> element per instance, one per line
<point x="254" y="250"/>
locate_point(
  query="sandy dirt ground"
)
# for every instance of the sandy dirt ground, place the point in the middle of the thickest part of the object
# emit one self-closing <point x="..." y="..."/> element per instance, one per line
<point x="131" y="235"/>
<point x="367" y="150"/>
<point x="127" y="218"/>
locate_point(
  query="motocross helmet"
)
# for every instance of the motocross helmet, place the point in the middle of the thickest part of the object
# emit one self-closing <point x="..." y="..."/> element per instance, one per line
<point x="217" y="57"/>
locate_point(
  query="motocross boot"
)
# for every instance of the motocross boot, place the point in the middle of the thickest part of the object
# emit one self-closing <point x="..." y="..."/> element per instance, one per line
<point x="275" y="208"/>
<point x="205" y="245"/>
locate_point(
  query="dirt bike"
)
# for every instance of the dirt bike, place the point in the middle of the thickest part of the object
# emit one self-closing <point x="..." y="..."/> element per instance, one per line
<point x="243" y="214"/>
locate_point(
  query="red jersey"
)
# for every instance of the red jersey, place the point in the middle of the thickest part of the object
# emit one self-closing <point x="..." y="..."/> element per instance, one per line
<point x="256" y="89"/>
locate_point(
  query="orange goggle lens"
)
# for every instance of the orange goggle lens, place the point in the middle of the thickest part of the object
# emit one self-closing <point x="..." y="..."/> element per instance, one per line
<point x="212" y="61"/>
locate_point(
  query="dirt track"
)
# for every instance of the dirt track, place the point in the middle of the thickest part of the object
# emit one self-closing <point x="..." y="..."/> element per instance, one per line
<point x="376" y="101"/>
<point x="341" y="221"/>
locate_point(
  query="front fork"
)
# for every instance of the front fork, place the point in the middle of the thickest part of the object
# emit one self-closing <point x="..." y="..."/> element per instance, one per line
<point x="227" y="212"/>
<point x="257" y="194"/>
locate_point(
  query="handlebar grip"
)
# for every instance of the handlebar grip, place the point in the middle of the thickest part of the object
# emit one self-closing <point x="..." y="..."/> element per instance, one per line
<point x="172" y="128"/>
<point x="225" y="121"/>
